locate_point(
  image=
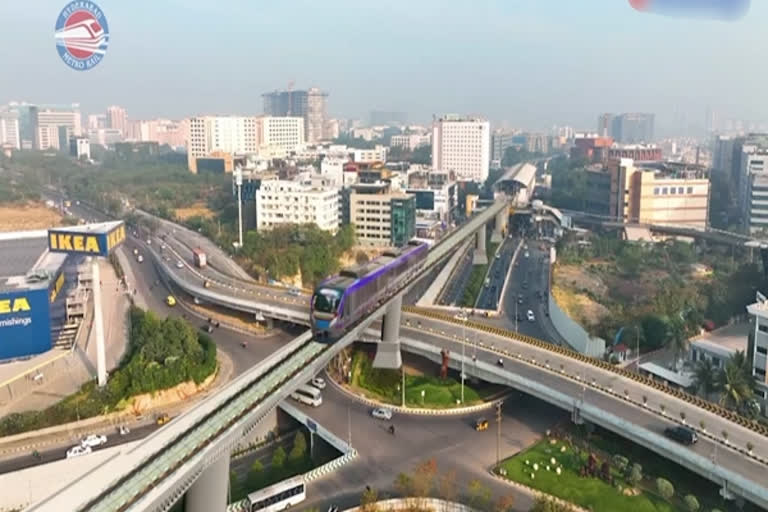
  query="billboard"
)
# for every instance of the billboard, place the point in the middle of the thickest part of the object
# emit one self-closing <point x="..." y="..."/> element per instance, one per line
<point x="79" y="241"/>
<point x="25" y="326"/>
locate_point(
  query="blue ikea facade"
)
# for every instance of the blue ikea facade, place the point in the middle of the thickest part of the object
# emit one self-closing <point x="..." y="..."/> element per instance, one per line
<point x="25" y="322"/>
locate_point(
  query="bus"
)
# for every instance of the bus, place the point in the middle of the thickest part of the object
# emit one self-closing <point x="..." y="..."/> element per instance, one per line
<point x="307" y="394"/>
<point x="279" y="496"/>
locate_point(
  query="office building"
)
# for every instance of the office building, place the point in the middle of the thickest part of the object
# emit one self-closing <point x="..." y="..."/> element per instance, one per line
<point x="591" y="147"/>
<point x="461" y="145"/>
<point x="309" y="105"/>
<point x="332" y="129"/>
<point x="381" y="217"/>
<point x="281" y="202"/>
<point x="633" y="128"/>
<point x="753" y="181"/>
<point x="500" y="141"/>
<point x="27" y="116"/>
<point x="97" y="122"/>
<point x="10" y="134"/>
<point x="117" y="119"/>
<point x="222" y="135"/>
<point x="671" y="193"/>
<point x="80" y="147"/>
<point x="105" y="136"/>
<point x="409" y="142"/>
<point x="56" y="124"/>
<point x="279" y="136"/>
<point x="605" y="125"/>
<point x="435" y="193"/>
<point x="162" y="131"/>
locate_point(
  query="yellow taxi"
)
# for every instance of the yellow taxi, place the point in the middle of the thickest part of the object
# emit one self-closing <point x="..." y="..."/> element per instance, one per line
<point x="170" y="300"/>
<point x="481" y="424"/>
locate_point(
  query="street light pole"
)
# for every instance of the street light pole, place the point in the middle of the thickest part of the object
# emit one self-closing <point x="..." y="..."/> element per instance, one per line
<point x="463" y="344"/>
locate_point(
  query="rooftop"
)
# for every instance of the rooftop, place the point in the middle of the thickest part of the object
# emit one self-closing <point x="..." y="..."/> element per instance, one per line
<point x="23" y="253"/>
<point x="726" y="340"/>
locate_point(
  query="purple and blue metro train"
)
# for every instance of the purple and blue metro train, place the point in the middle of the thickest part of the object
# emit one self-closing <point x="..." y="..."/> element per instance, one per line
<point x="341" y="301"/>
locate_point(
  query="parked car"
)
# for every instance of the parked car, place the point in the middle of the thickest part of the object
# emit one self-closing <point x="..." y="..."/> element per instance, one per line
<point x="681" y="435"/>
<point x="77" y="451"/>
<point x="93" y="440"/>
<point x="179" y="264"/>
<point x="382" y="413"/>
<point x="123" y="430"/>
<point x="530" y="315"/>
<point x="318" y="382"/>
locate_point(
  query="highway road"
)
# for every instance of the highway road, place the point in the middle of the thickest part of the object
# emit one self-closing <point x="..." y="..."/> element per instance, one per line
<point x="450" y="440"/>
<point x="639" y="416"/>
<point x="497" y="272"/>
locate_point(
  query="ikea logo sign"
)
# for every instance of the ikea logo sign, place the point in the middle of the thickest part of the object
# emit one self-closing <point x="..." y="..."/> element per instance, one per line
<point x="17" y="305"/>
<point x="71" y="242"/>
<point x="57" y="287"/>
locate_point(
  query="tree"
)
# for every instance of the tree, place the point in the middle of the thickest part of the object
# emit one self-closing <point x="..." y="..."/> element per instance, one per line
<point x="736" y="382"/>
<point x="691" y="503"/>
<point x="665" y="488"/>
<point x="620" y="463"/>
<point x="423" y="478"/>
<point x="678" y="341"/>
<point x="299" y="449"/>
<point x="655" y="330"/>
<point x="255" y="478"/>
<point x="278" y="461"/>
<point x="705" y="378"/>
<point x="479" y="495"/>
<point x="404" y="484"/>
<point x="447" y="486"/>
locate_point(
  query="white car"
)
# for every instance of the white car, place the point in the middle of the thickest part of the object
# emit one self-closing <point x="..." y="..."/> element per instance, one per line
<point x="179" y="264"/>
<point x="93" y="441"/>
<point x="527" y="254"/>
<point x="318" y="382"/>
<point x="77" y="451"/>
<point x="123" y="430"/>
<point x="382" y="413"/>
<point x="531" y="317"/>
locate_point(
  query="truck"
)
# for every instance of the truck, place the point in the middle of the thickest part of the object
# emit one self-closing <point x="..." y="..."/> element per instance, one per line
<point x="199" y="256"/>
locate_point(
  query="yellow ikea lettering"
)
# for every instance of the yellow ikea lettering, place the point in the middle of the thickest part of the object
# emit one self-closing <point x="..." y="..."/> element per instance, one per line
<point x="91" y="244"/>
<point x="115" y="237"/>
<point x="14" y="305"/>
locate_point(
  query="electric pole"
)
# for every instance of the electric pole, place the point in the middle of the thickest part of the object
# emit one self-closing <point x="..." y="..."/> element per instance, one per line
<point x="498" y="433"/>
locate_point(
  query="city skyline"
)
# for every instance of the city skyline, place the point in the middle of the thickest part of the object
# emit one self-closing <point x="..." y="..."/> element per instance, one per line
<point x="523" y="64"/>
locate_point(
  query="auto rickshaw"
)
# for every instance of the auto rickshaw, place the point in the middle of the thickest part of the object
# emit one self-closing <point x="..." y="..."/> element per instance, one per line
<point x="481" y="424"/>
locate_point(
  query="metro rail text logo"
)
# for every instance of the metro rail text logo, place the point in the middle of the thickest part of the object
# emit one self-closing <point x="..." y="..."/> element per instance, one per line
<point x="720" y="9"/>
<point x="82" y="35"/>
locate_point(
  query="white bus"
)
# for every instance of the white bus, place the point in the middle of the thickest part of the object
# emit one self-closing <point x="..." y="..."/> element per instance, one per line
<point x="279" y="496"/>
<point x="307" y="394"/>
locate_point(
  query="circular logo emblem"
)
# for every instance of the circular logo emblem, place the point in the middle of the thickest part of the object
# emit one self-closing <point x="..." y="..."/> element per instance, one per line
<point x="82" y="35"/>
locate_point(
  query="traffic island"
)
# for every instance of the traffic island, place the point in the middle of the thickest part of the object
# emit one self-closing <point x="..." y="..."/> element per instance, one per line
<point x="426" y="391"/>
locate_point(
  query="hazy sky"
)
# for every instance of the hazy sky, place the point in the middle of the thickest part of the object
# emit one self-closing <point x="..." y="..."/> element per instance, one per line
<point x="530" y="62"/>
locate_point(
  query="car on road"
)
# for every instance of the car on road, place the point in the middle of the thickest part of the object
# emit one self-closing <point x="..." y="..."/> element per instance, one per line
<point x="162" y="419"/>
<point x="149" y="242"/>
<point x="530" y="315"/>
<point x="136" y="252"/>
<point x="179" y="264"/>
<point x="93" y="440"/>
<point x="481" y="424"/>
<point x="77" y="451"/>
<point x="382" y="413"/>
<point x="681" y="435"/>
<point x="487" y="281"/>
<point x="170" y="300"/>
<point x="527" y="254"/>
<point x="520" y="298"/>
<point x="123" y="430"/>
<point x="207" y="328"/>
<point x="318" y="382"/>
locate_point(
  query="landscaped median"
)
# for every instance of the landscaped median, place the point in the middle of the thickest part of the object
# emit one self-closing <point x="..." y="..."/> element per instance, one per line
<point x="423" y="392"/>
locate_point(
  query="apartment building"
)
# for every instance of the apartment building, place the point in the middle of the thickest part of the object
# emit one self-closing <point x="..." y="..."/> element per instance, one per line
<point x="382" y="217"/>
<point x="55" y="124"/>
<point x="377" y="154"/>
<point x="409" y="142"/>
<point x="10" y="133"/>
<point x="283" y="202"/>
<point x="462" y="145"/>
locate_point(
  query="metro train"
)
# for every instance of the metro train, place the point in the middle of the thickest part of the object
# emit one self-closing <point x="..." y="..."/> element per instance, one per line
<point x="339" y="302"/>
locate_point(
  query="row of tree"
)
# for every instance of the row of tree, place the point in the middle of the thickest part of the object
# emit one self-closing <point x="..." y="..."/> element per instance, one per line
<point x="734" y="383"/>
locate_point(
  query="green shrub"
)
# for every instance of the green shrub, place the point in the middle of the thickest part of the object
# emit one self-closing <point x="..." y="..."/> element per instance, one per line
<point x="620" y="463"/>
<point x="665" y="488"/>
<point x="691" y="503"/>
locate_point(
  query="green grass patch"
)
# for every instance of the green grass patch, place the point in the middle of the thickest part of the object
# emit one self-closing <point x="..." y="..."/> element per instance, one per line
<point x="384" y="385"/>
<point x="591" y="493"/>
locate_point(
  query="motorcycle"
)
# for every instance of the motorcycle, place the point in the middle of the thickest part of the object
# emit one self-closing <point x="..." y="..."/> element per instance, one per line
<point x="244" y="344"/>
<point x="500" y="362"/>
<point x="392" y="429"/>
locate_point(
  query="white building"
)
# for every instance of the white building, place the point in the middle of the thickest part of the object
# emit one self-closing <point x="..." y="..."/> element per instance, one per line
<point x="462" y="145"/>
<point x="377" y="154"/>
<point x="316" y="114"/>
<point x="409" y="142"/>
<point x="117" y="119"/>
<point x="280" y="202"/>
<point x="55" y="125"/>
<point x="759" y="355"/>
<point x="753" y="196"/>
<point x="221" y="134"/>
<point x="80" y="147"/>
<point x="332" y="169"/>
<point x="104" y="136"/>
<point x="9" y="129"/>
<point x="280" y="135"/>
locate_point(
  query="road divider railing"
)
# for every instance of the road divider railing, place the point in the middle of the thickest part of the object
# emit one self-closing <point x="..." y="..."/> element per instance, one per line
<point x="734" y="417"/>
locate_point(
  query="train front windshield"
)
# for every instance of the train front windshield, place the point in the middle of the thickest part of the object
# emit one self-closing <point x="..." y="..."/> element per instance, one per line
<point x="326" y="300"/>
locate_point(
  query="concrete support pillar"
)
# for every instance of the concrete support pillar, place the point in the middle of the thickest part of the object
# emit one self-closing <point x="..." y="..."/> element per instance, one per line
<point x="269" y="323"/>
<point x="388" y="352"/>
<point x="480" y="258"/>
<point x="501" y="226"/>
<point x="98" y="326"/>
<point x="210" y="492"/>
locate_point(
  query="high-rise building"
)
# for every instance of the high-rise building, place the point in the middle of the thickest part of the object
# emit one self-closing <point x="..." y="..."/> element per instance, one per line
<point x="280" y="135"/>
<point x="309" y="104"/>
<point x="221" y="135"/>
<point x="9" y="129"/>
<point x="97" y="121"/>
<point x="461" y="145"/>
<point x="56" y="124"/>
<point x="632" y="128"/>
<point x="605" y="125"/>
<point x="500" y="141"/>
<point x="753" y="183"/>
<point x="117" y="119"/>
<point x="282" y="202"/>
<point x="382" y="217"/>
<point x="27" y="115"/>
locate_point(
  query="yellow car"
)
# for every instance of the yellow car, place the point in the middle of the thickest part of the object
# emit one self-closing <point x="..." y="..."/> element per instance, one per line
<point x="207" y="284"/>
<point x="481" y="424"/>
<point x="162" y="419"/>
<point x="170" y="300"/>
